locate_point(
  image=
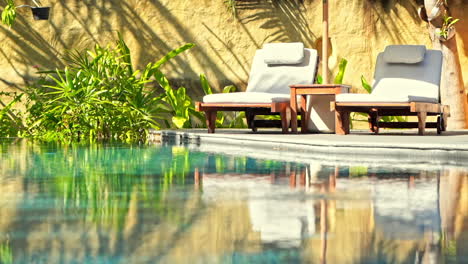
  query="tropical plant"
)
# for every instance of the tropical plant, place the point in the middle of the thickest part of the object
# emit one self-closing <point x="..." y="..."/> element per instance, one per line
<point x="447" y="25"/>
<point x="178" y="104"/>
<point x="339" y="75"/>
<point x="9" y="13"/>
<point x="10" y="120"/>
<point x="99" y="95"/>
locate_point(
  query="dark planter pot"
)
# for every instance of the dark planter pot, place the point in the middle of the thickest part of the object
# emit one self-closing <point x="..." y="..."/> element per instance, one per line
<point x="40" y="13"/>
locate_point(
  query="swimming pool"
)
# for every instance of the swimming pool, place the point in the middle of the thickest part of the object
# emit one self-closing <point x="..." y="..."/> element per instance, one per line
<point x="120" y="203"/>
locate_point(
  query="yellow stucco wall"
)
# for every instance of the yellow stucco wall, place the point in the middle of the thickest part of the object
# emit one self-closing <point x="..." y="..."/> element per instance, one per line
<point x="359" y="29"/>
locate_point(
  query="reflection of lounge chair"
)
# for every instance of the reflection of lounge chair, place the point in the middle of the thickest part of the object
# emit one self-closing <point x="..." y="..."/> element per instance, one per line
<point x="406" y="83"/>
<point x="274" y="68"/>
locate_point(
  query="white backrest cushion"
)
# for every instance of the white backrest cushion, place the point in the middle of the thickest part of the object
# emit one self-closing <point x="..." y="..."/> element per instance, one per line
<point x="283" y="53"/>
<point x="277" y="78"/>
<point x="397" y="87"/>
<point x="404" y="53"/>
<point x="419" y="79"/>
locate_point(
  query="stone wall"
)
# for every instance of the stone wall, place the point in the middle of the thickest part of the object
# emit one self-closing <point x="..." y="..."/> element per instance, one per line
<point x="359" y="29"/>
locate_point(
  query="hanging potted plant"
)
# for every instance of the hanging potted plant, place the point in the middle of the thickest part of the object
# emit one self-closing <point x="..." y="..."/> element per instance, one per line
<point x="447" y="31"/>
<point x="9" y="12"/>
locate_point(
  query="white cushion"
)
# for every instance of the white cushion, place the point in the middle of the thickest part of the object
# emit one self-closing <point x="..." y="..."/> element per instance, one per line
<point x="245" y="98"/>
<point x="277" y="78"/>
<point x="283" y="53"/>
<point x="372" y="98"/>
<point x="403" y="83"/>
<point x="408" y="54"/>
<point x="390" y="87"/>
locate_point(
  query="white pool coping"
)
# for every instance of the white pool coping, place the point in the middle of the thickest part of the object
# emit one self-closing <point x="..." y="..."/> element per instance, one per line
<point x="450" y="148"/>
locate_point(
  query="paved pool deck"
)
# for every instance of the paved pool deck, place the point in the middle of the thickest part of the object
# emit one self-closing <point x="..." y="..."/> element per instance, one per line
<point x="390" y="146"/>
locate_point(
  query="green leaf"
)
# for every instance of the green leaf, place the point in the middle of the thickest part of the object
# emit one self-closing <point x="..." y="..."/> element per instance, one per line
<point x="173" y="54"/>
<point x="319" y="79"/>
<point x="365" y="84"/>
<point x="229" y="89"/>
<point x="341" y="71"/>
<point x="9" y="106"/>
<point x="199" y="115"/>
<point x="125" y="51"/>
<point x="179" y="121"/>
<point x="453" y="22"/>
<point x="205" y="85"/>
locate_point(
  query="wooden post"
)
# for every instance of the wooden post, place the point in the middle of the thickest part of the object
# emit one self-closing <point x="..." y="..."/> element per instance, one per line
<point x="325" y="43"/>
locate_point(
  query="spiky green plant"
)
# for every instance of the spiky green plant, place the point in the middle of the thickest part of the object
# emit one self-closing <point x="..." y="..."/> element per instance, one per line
<point x="99" y="95"/>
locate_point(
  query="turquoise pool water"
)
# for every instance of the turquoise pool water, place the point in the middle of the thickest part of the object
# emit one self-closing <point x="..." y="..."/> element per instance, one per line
<point x="119" y="203"/>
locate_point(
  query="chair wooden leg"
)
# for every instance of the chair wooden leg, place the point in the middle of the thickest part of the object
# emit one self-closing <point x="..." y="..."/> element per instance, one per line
<point x="439" y="125"/>
<point x="375" y="124"/>
<point x="293" y="119"/>
<point x="374" y="121"/>
<point x="293" y="105"/>
<point x="285" y="119"/>
<point x="347" y="122"/>
<point x="421" y="122"/>
<point x="211" y="121"/>
<point x="250" y="116"/>
<point x="341" y="122"/>
<point x="304" y="114"/>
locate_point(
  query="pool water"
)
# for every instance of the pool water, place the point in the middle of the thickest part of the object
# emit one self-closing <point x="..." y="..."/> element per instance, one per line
<point x="120" y="203"/>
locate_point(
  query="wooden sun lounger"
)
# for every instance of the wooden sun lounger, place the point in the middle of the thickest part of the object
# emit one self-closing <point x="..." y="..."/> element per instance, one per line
<point x="268" y="87"/>
<point x="377" y="110"/>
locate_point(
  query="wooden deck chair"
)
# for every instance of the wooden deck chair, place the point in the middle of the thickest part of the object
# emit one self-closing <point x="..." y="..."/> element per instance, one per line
<point x="406" y="83"/>
<point x="274" y="68"/>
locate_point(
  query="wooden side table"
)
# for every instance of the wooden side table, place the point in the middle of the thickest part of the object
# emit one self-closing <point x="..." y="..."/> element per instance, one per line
<point x="310" y="89"/>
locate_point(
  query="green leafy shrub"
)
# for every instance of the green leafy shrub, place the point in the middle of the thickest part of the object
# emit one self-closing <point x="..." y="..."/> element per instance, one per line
<point x="178" y="104"/>
<point x="99" y="95"/>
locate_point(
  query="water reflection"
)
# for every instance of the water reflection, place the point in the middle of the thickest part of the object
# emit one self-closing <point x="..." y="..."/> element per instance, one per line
<point x="347" y="214"/>
<point x="145" y="204"/>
